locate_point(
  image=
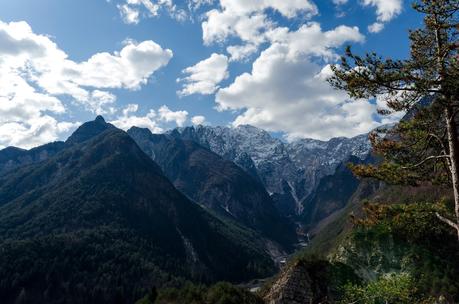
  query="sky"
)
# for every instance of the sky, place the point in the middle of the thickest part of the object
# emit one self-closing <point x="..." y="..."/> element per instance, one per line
<point x="161" y="64"/>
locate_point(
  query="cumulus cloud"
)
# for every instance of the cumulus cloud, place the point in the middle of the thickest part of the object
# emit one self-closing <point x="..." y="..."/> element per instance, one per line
<point x="376" y="27"/>
<point x="195" y="4"/>
<point x="35" y="73"/>
<point x="132" y="10"/>
<point x="309" y="39"/>
<point x="386" y="10"/>
<point x="129" y="118"/>
<point x="204" y="77"/>
<point x="25" y="114"/>
<point x="241" y="52"/>
<point x="198" y="120"/>
<point x="287" y="90"/>
<point x="248" y="21"/>
<point x="220" y="25"/>
<point x="153" y="120"/>
<point x="129" y="69"/>
<point x="167" y="115"/>
<point x="130" y="15"/>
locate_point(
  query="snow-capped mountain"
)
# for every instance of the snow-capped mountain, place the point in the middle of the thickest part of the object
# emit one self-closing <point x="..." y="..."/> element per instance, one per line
<point x="295" y="167"/>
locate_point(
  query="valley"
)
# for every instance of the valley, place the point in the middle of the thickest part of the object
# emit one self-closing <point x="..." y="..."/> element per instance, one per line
<point x="111" y="183"/>
<point x="169" y="195"/>
<point x="229" y="152"/>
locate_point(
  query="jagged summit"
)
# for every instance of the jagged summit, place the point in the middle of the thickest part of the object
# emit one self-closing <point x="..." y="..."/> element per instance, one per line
<point x="216" y="183"/>
<point x="99" y="119"/>
<point x="299" y="165"/>
<point x="102" y="207"/>
<point x="88" y="130"/>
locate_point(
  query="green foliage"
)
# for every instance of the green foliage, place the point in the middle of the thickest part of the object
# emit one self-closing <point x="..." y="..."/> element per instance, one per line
<point x="99" y="223"/>
<point x="390" y="289"/>
<point x="411" y="152"/>
<point x="425" y="145"/>
<point x="409" y="239"/>
<point x="220" y="293"/>
<point x="320" y="279"/>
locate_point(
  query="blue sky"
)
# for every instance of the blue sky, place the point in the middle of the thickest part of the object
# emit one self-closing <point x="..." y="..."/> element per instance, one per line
<point x="66" y="61"/>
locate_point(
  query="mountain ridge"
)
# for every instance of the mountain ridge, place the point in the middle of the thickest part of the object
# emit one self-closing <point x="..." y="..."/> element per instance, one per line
<point x="105" y="208"/>
<point x="300" y="164"/>
<point x="216" y="183"/>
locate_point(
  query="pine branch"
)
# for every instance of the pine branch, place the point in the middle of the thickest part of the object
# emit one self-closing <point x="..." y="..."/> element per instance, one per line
<point x="447" y="221"/>
<point x="426" y="160"/>
<point x="440" y="141"/>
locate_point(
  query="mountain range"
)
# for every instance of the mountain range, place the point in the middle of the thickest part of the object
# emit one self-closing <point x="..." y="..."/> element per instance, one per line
<point x="218" y="184"/>
<point x="100" y="220"/>
<point x="290" y="171"/>
<point x="108" y="214"/>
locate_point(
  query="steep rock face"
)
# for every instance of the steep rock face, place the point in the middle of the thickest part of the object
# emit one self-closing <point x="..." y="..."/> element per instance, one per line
<point x="321" y="158"/>
<point x="218" y="184"/>
<point x="332" y="194"/>
<point x="286" y="202"/>
<point x="330" y="231"/>
<point x="292" y="287"/>
<point x="99" y="223"/>
<point x="300" y="164"/>
<point x="309" y="282"/>
<point x="267" y="153"/>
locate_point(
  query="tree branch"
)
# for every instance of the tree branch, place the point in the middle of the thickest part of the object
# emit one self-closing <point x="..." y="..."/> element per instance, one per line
<point x="447" y="221"/>
<point x="440" y="141"/>
<point x="426" y="160"/>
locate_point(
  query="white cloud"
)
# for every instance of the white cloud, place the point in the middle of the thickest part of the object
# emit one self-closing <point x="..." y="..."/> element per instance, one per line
<point x="132" y="10"/>
<point x="288" y="8"/>
<point x="100" y="102"/>
<point x="33" y="132"/>
<point x="220" y="25"/>
<point x="25" y="114"/>
<point x="198" y="120"/>
<point x="49" y="67"/>
<point x="153" y="120"/>
<point x="287" y="91"/>
<point x="241" y="52"/>
<point x="130" y="15"/>
<point x="196" y="4"/>
<point x="309" y="39"/>
<point x="386" y="10"/>
<point x="204" y="77"/>
<point x="376" y="27"/>
<point x="129" y="119"/>
<point x="248" y="21"/>
<point x="129" y="69"/>
<point x="35" y="73"/>
<point x="179" y="117"/>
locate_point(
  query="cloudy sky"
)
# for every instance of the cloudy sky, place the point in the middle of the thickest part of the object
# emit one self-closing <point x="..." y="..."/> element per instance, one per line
<point x="166" y="63"/>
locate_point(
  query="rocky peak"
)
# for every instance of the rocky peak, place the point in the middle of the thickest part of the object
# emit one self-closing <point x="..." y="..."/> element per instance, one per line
<point x="301" y="164"/>
<point x="89" y="130"/>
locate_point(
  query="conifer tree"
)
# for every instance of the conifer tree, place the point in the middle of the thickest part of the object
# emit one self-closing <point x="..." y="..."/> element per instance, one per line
<point x="424" y="147"/>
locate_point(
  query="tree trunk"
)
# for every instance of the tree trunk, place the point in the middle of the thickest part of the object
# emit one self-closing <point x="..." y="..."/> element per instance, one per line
<point x="454" y="163"/>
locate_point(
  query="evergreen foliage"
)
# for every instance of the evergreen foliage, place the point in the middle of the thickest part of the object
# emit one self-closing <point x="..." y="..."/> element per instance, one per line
<point x="404" y="240"/>
<point x="220" y="293"/>
<point x="426" y="147"/>
<point x="99" y="223"/>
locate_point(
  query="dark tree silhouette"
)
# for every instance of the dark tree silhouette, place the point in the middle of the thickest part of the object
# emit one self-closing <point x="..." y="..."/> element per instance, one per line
<point x="425" y="147"/>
